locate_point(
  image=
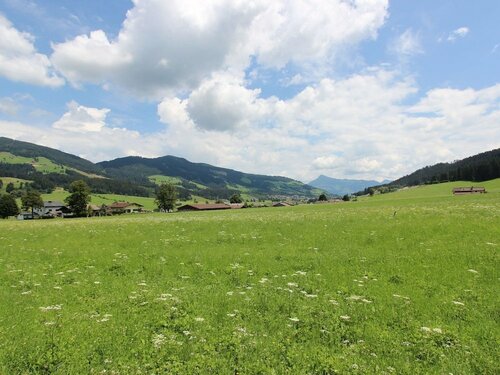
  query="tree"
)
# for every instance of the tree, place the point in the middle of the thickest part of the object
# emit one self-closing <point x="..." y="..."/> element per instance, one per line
<point x="8" y="206"/>
<point x="79" y="197"/>
<point x="166" y="195"/>
<point x="10" y="187"/>
<point x="1" y="184"/>
<point x="31" y="199"/>
<point x="346" y="198"/>
<point x="235" y="198"/>
<point x="322" y="197"/>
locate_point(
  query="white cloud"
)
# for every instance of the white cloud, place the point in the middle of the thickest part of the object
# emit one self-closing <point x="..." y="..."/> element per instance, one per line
<point x="82" y="119"/>
<point x="19" y="60"/>
<point x="407" y="44"/>
<point x="167" y="46"/>
<point x="461" y="32"/>
<point x="359" y="127"/>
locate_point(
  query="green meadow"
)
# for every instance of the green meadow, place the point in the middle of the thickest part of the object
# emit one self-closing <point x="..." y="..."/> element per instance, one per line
<point x="400" y="283"/>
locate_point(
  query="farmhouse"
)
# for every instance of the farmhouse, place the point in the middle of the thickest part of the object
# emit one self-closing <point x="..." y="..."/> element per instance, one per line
<point x="125" y="208"/>
<point x="53" y="209"/>
<point x="469" y="190"/>
<point x="281" y="204"/>
<point x="204" y="207"/>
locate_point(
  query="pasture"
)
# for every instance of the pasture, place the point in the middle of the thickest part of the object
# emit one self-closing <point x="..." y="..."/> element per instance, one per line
<point x="386" y="285"/>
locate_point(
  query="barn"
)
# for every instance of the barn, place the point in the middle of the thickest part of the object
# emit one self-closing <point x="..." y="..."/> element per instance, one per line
<point x="204" y="207"/>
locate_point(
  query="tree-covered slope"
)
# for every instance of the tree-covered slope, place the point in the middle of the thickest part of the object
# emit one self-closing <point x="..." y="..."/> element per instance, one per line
<point x="212" y="179"/>
<point x="481" y="167"/>
<point x="31" y="150"/>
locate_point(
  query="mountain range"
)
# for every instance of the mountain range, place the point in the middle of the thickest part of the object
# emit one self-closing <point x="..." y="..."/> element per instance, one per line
<point x="47" y="168"/>
<point x="338" y="186"/>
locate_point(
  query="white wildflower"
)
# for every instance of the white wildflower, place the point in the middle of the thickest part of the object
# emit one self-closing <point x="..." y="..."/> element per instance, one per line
<point x="294" y="319"/>
<point x="198" y="319"/>
<point x="158" y="340"/>
<point x="292" y="285"/>
<point x="425" y="329"/>
<point x="263" y="280"/>
<point x="437" y="330"/>
<point x="458" y="303"/>
<point x="345" y="317"/>
<point x="472" y="271"/>
<point x="49" y="308"/>
<point x="311" y="295"/>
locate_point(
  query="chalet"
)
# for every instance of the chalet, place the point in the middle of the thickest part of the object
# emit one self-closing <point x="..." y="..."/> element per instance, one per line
<point x="96" y="210"/>
<point x="204" y="207"/>
<point x="117" y="208"/>
<point x="281" y="204"/>
<point x="469" y="190"/>
<point x="53" y="209"/>
<point x="26" y="215"/>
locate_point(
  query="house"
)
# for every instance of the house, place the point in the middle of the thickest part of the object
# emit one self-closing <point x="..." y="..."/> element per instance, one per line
<point x="117" y="208"/>
<point x="469" y="190"/>
<point x="204" y="207"/>
<point x="236" y="205"/>
<point x="95" y="210"/>
<point x="26" y="215"/>
<point x="281" y="204"/>
<point x="53" y="209"/>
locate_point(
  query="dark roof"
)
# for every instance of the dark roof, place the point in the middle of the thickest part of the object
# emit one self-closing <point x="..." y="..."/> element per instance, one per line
<point x="123" y="204"/>
<point x="53" y="204"/>
<point x="210" y="206"/>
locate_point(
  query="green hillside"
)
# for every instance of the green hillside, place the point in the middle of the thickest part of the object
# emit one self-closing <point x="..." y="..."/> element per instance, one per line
<point x="204" y="179"/>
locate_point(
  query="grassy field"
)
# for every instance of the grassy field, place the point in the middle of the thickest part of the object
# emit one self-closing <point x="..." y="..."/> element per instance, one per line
<point x="391" y="284"/>
<point x="7" y="180"/>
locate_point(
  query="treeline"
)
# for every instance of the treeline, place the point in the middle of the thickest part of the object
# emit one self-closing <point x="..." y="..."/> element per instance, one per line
<point x="48" y="182"/>
<point x="477" y="168"/>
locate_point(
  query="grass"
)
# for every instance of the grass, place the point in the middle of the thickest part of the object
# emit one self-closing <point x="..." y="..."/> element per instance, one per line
<point x="312" y="289"/>
<point x="41" y="164"/>
<point x="16" y="181"/>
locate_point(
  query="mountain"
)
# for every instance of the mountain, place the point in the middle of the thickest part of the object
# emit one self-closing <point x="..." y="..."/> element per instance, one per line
<point x="481" y="167"/>
<point x="47" y="168"/>
<point x="203" y="179"/>
<point x="342" y="186"/>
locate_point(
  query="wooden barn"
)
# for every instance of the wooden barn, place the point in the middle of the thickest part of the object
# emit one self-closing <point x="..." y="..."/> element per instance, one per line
<point x="204" y="207"/>
<point x="469" y="190"/>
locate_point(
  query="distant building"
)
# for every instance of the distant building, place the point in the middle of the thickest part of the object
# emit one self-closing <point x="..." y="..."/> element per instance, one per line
<point x="53" y="209"/>
<point x="469" y="190"/>
<point x="281" y="204"/>
<point x="204" y="207"/>
<point x="117" y="208"/>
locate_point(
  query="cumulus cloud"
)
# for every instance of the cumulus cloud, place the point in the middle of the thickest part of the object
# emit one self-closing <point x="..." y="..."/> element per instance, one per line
<point x="358" y="127"/>
<point x="19" y="60"/>
<point x="167" y="46"/>
<point x="461" y="32"/>
<point x="82" y="119"/>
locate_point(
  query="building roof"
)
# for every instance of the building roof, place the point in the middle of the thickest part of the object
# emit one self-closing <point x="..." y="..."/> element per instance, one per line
<point x="281" y="204"/>
<point x="210" y="206"/>
<point x="53" y="204"/>
<point x="468" y="189"/>
<point x="124" y="205"/>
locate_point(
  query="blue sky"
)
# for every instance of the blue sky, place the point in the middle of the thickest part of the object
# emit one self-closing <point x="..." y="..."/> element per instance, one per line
<point x="354" y="89"/>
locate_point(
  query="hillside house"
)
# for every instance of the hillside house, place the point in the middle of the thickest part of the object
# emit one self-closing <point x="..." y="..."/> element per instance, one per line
<point x="53" y="209"/>
<point x="118" y="208"/>
<point x="469" y="190"/>
<point x="204" y="207"/>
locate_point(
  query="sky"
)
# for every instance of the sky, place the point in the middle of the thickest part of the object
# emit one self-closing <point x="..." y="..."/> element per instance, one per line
<point x="362" y="89"/>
